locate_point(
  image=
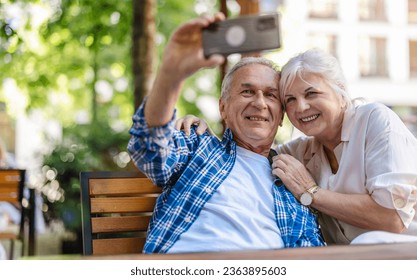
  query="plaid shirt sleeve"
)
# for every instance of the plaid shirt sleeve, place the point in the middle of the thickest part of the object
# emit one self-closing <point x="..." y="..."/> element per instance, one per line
<point x="160" y="152"/>
<point x="297" y="223"/>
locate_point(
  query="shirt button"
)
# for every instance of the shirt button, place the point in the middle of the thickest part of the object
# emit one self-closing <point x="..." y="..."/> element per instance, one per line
<point x="223" y="171"/>
<point x="208" y="190"/>
<point x="399" y="203"/>
<point x="187" y="220"/>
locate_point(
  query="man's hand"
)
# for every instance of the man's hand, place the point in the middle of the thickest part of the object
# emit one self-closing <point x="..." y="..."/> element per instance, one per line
<point x="184" y="52"/>
<point x="183" y="56"/>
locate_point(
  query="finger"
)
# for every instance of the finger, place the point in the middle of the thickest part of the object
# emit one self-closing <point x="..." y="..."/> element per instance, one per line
<point x="288" y="159"/>
<point x="275" y="158"/>
<point x="201" y="22"/>
<point x="179" y="124"/>
<point x="206" y="20"/>
<point x="188" y="122"/>
<point x="282" y="156"/>
<point x="215" y="59"/>
<point x="219" y="16"/>
<point x="278" y="163"/>
<point x="202" y="127"/>
<point x="275" y="172"/>
<point x="278" y="172"/>
<point x="191" y="120"/>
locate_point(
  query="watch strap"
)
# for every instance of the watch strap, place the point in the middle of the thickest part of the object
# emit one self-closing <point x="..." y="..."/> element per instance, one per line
<point x="313" y="189"/>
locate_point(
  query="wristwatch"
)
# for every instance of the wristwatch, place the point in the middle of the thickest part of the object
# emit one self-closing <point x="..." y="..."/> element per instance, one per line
<point x="307" y="197"/>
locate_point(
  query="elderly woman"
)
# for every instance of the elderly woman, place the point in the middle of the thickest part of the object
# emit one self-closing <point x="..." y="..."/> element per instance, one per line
<point x="361" y="157"/>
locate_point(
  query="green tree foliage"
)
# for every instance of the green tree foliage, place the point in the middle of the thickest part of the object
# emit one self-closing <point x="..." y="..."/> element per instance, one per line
<point x="75" y="58"/>
<point x="73" y="64"/>
<point x="72" y="60"/>
<point x="71" y="56"/>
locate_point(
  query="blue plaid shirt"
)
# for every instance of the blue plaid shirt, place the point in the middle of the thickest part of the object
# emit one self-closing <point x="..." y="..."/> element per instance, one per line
<point x="190" y="169"/>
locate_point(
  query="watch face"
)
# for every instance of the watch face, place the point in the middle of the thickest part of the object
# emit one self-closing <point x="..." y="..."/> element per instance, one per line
<point x="306" y="199"/>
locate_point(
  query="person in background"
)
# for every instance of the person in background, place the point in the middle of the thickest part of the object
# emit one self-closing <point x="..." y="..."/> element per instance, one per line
<point x="218" y="195"/>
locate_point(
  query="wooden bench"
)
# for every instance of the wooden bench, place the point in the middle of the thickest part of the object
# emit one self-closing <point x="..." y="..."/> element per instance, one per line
<point x="116" y="209"/>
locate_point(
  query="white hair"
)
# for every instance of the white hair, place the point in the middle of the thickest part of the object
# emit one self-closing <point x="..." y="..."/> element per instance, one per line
<point x="318" y="62"/>
<point x="227" y="81"/>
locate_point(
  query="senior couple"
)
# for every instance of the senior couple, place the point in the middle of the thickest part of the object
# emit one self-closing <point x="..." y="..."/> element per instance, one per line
<point x="353" y="177"/>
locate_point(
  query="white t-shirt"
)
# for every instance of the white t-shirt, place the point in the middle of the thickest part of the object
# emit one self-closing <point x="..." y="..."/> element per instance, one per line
<point x="240" y="215"/>
<point x="377" y="155"/>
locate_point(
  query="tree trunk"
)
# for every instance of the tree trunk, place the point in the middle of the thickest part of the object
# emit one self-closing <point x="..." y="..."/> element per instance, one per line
<point x="223" y="67"/>
<point x="143" y="48"/>
<point x="249" y="8"/>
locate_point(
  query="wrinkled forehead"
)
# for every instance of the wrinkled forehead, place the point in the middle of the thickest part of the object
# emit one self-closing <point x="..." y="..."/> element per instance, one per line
<point x="256" y="74"/>
<point x="305" y="80"/>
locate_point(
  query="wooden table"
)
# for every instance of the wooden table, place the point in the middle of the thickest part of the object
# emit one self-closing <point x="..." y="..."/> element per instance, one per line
<point x="397" y="251"/>
<point x="360" y="260"/>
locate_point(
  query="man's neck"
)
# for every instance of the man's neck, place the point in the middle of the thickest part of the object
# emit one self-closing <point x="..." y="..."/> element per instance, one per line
<point x="259" y="149"/>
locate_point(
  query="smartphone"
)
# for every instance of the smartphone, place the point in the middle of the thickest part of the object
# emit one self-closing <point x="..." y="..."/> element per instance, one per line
<point x="243" y="34"/>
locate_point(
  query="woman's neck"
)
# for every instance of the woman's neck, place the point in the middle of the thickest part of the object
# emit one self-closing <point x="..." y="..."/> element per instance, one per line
<point x="331" y="157"/>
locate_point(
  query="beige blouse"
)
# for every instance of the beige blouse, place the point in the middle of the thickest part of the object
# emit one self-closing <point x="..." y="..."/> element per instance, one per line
<point x="377" y="155"/>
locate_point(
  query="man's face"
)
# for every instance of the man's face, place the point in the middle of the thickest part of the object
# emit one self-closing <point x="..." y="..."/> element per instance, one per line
<point x="253" y="109"/>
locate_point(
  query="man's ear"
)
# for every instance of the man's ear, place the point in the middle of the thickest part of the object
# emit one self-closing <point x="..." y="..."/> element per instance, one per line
<point x="222" y="108"/>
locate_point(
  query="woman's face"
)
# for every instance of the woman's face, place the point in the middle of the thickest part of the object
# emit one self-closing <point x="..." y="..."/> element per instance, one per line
<point x="315" y="109"/>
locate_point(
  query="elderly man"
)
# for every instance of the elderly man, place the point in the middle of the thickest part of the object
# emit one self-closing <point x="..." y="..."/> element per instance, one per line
<point x="217" y="194"/>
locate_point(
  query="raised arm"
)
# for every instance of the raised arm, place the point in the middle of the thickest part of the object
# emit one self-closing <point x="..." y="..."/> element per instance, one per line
<point x="182" y="57"/>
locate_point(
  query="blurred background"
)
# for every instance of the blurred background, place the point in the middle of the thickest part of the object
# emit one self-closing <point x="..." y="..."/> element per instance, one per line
<point x="73" y="72"/>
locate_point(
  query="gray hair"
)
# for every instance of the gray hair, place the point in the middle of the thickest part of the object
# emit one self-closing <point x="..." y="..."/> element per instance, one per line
<point x="315" y="61"/>
<point x="227" y="81"/>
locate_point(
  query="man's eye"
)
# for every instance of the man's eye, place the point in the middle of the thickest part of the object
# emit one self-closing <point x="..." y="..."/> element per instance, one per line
<point x="270" y="94"/>
<point x="247" y="92"/>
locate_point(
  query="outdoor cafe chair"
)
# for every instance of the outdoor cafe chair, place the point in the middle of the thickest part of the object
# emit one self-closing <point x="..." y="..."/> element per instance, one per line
<point x="116" y="209"/>
<point x="12" y="184"/>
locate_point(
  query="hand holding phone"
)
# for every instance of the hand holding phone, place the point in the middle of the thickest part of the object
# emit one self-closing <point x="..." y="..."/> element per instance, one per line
<point x="242" y="34"/>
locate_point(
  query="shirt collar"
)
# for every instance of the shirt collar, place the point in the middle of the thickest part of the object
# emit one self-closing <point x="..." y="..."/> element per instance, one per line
<point x="227" y="136"/>
<point x="348" y="124"/>
<point x="347" y="127"/>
